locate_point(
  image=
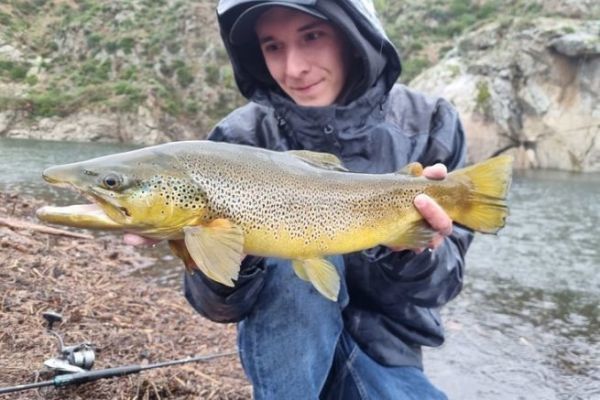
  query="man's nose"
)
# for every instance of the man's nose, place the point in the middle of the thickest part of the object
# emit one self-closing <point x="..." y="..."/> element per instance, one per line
<point x="296" y="63"/>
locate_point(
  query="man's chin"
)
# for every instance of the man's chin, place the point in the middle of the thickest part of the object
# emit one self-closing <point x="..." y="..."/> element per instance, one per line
<point x="313" y="101"/>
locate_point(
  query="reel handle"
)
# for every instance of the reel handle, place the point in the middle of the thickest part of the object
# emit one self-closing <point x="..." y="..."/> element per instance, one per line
<point x="51" y="317"/>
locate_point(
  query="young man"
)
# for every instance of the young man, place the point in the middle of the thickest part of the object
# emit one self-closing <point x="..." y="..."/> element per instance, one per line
<point x="321" y="76"/>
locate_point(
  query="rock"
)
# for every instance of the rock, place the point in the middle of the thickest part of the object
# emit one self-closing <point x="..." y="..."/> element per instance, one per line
<point x="571" y="8"/>
<point x="141" y="128"/>
<point x="577" y="45"/>
<point x="6" y="120"/>
<point x="9" y="53"/>
<point x="533" y="86"/>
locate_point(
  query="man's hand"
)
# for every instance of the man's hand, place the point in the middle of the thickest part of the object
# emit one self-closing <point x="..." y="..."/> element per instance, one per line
<point x="435" y="216"/>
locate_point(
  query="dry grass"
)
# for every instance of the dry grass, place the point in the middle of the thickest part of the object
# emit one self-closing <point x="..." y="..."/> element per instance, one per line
<point x="129" y="320"/>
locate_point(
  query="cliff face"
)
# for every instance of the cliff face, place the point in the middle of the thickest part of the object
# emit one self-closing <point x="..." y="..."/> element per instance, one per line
<point x="532" y="85"/>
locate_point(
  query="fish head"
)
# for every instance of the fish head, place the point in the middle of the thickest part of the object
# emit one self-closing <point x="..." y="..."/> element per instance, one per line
<point x="144" y="192"/>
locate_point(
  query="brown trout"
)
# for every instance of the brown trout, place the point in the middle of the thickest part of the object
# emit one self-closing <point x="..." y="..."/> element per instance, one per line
<point x="226" y="200"/>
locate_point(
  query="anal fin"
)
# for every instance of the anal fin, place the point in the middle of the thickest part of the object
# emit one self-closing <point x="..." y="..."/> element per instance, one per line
<point x="321" y="273"/>
<point x="299" y="270"/>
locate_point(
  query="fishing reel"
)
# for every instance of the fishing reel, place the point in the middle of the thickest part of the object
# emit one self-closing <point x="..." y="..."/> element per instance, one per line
<point x="70" y="359"/>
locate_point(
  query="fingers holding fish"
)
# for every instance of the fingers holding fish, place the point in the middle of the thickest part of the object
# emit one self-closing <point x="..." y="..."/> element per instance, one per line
<point x="437" y="219"/>
<point x="137" y="240"/>
<point x="435" y="215"/>
<point x="436" y="172"/>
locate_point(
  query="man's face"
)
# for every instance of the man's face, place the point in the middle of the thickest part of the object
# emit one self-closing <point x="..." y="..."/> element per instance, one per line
<point x="305" y="55"/>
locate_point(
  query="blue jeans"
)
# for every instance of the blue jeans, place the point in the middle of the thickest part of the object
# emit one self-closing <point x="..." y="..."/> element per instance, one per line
<point x="293" y="346"/>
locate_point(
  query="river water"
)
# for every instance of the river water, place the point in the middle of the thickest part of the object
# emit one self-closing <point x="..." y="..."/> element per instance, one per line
<point x="527" y="324"/>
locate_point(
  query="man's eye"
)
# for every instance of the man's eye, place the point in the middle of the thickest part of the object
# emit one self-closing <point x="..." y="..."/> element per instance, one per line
<point x="310" y="36"/>
<point x="270" y="47"/>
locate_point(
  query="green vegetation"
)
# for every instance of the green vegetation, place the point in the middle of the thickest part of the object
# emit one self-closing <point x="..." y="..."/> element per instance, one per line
<point x="411" y="67"/>
<point x="119" y="55"/>
<point x="482" y="98"/>
<point x="93" y="72"/>
<point x="15" y="71"/>
<point x="31" y="80"/>
<point x="425" y="31"/>
<point x="5" y="19"/>
<point x="184" y="74"/>
<point x="48" y="104"/>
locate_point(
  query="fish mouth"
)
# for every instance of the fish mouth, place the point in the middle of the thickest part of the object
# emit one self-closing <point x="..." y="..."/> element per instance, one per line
<point x="99" y="213"/>
<point x="87" y="216"/>
<point x="103" y="200"/>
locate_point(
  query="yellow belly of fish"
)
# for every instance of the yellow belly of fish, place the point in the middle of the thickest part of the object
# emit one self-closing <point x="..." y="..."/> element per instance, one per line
<point x="284" y="244"/>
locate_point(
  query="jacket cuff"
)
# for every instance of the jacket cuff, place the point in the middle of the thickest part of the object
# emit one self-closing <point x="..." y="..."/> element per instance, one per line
<point x="250" y="267"/>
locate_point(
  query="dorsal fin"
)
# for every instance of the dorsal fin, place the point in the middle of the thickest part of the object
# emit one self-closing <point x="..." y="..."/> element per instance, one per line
<point x="318" y="159"/>
<point x="412" y="169"/>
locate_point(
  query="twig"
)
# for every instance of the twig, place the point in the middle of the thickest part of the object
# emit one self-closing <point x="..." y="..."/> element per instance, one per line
<point x="20" y="224"/>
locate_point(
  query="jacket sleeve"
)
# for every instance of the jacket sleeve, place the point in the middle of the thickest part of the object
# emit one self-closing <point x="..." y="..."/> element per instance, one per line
<point x="211" y="299"/>
<point x="432" y="278"/>
<point x="221" y="303"/>
<point x="429" y="279"/>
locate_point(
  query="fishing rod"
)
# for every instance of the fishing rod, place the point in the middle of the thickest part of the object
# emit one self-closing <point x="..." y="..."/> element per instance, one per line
<point x="77" y="378"/>
<point x="74" y="363"/>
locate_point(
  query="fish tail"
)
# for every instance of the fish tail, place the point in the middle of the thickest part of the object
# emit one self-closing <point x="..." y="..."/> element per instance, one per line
<point x="485" y="209"/>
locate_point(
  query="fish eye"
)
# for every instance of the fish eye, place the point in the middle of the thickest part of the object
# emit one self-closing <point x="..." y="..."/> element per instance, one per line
<point x="111" y="181"/>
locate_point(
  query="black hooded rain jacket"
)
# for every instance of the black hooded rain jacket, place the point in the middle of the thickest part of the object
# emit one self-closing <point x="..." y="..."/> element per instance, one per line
<point x="378" y="128"/>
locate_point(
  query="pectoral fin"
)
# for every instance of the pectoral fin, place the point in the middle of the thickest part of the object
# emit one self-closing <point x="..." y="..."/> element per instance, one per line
<point x="321" y="273"/>
<point x="317" y="159"/>
<point x="216" y="249"/>
<point x="417" y="234"/>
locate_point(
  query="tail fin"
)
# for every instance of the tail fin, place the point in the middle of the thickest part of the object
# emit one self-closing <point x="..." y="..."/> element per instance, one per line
<point x="489" y="182"/>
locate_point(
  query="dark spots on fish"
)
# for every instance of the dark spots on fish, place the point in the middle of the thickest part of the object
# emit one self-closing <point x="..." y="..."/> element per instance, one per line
<point x="258" y="196"/>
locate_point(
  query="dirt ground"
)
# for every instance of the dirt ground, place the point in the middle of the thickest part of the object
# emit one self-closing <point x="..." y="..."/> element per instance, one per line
<point x="129" y="320"/>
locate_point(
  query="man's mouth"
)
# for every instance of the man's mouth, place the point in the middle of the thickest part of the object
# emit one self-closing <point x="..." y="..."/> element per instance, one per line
<point x="304" y="88"/>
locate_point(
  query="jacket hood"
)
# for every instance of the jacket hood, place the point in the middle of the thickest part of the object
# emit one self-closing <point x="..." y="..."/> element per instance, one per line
<point x="356" y="18"/>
